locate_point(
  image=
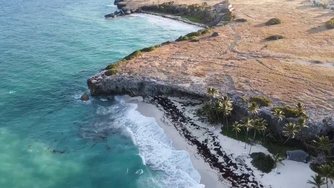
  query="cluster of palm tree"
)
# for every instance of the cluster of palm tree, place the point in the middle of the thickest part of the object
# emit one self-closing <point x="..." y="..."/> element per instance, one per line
<point x="219" y="108"/>
<point x="325" y="175"/>
<point x="257" y="125"/>
<point x="325" y="171"/>
<point x="323" y="145"/>
<point x="292" y="129"/>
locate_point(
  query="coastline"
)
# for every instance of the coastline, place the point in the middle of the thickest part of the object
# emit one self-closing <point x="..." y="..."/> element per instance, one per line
<point x="220" y="160"/>
<point x="288" y="174"/>
<point x="209" y="176"/>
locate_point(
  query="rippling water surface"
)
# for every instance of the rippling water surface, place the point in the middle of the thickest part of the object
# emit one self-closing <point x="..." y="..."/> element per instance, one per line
<point x="48" y="137"/>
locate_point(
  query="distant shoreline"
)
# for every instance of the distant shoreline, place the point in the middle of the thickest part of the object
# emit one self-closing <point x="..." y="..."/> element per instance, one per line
<point x="176" y="18"/>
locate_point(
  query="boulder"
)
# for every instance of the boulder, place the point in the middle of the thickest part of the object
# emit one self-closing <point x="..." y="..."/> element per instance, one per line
<point x="298" y="155"/>
<point x="111" y="15"/>
<point x="84" y="97"/>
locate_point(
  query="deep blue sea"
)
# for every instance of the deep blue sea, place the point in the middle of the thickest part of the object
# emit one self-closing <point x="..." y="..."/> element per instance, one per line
<point x="51" y="139"/>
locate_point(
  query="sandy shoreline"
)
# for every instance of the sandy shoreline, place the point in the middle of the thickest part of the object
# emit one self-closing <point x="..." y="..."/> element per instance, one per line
<point x="290" y="174"/>
<point x="209" y="177"/>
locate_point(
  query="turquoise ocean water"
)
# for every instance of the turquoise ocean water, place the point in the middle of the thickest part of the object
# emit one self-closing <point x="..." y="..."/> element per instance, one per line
<point x="48" y="137"/>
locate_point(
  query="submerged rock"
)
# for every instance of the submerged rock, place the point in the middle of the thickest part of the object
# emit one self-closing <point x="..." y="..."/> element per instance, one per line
<point x="111" y="15"/>
<point x="84" y="97"/>
<point x="298" y="155"/>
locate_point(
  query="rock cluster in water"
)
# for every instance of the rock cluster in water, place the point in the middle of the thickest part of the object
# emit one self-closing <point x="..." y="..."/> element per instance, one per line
<point x="122" y="10"/>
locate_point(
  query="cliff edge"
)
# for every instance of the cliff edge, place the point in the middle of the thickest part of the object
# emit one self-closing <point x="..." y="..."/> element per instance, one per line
<point x="291" y="61"/>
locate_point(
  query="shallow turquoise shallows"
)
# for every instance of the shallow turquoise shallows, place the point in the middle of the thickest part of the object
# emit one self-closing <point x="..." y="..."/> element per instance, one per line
<point x="48" y="137"/>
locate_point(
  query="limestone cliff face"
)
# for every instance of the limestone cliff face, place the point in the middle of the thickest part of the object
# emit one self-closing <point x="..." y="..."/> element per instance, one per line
<point x="101" y="84"/>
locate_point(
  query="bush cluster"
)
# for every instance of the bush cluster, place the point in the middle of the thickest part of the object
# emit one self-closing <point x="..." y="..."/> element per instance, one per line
<point x="111" y="69"/>
<point x="330" y="24"/>
<point x="193" y="35"/>
<point x="274" y="37"/>
<point x="196" y="12"/>
<point x="261" y="101"/>
<point x="273" y="21"/>
<point x="290" y="112"/>
<point x="262" y="162"/>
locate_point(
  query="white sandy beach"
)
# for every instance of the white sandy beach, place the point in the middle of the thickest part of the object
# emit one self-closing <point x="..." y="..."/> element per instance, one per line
<point x="290" y="175"/>
<point x="209" y="176"/>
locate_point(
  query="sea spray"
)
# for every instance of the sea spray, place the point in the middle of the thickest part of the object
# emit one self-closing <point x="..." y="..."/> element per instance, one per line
<point x="157" y="151"/>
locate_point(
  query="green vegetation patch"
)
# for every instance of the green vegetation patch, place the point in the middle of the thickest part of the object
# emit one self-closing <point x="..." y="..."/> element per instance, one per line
<point x="289" y="112"/>
<point x="148" y="49"/>
<point x="200" y="13"/>
<point x="133" y="55"/>
<point x="263" y="162"/>
<point x="193" y="35"/>
<point x="274" y="37"/>
<point x="112" y="69"/>
<point x="194" y="40"/>
<point x="261" y="101"/>
<point x="273" y="21"/>
<point x="330" y="24"/>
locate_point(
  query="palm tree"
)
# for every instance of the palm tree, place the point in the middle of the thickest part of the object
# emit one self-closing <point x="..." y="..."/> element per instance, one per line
<point x="326" y="170"/>
<point x="323" y="144"/>
<point x="300" y="109"/>
<point x="248" y="124"/>
<point x="253" y="108"/>
<point x="236" y="127"/>
<point x="225" y="106"/>
<point x="301" y="125"/>
<point x="259" y="125"/>
<point x="279" y="114"/>
<point x="317" y="181"/>
<point x="290" y="130"/>
<point x="213" y="92"/>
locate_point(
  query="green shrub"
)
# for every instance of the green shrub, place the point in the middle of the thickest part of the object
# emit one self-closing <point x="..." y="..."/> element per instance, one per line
<point x="273" y="21"/>
<point x="263" y="162"/>
<point x="194" y="40"/>
<point x="330" y="24"/>
<point x="212" y="113"/>
<point x="261" y="101"/>
<point x="133" y="55"/>
<point x="111" y="72"/>
<point x="274" y="37"/>
<point x="200" y="13"/>
<point x="289" y="111"/>
<point x="165" y="43"/>
<point x="148" y="49"/>
<point x="193" y="35"/>
<point x="182" y="38"/>
<point x="111" y="69"/>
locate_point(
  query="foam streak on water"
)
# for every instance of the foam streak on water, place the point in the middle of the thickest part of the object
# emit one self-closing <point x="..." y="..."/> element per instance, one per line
<point x="157" y="151"/>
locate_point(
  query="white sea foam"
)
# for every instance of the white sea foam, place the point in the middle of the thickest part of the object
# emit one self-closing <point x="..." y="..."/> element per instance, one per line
<point x="111" y="5"/>
<point x="173" y="166"/>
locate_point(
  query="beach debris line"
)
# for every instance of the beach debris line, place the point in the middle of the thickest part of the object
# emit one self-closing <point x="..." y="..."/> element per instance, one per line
<point x="208" y="146"/>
